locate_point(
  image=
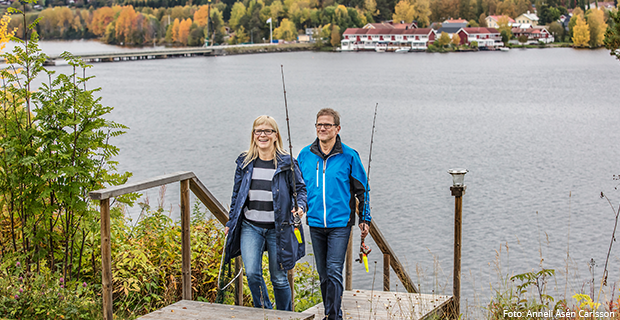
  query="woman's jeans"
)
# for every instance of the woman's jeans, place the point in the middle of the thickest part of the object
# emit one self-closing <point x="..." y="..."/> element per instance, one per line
<point x="330" y="247"/>
<point x="254" y="240"/>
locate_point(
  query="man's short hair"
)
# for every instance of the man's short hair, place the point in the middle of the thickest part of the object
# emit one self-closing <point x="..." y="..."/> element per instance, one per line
<point x="329" y="112"/>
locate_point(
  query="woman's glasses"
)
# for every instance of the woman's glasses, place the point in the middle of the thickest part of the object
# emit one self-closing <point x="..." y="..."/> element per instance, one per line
<point x="267" y="132"/>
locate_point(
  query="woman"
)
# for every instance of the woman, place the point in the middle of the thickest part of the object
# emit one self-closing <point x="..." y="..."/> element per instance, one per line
<point x="261" y="214"/>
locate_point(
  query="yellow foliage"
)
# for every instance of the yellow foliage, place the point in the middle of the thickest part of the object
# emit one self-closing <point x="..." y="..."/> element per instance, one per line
<point x="101" y="19"/>
<point x="403" y="11"/>
<point x="124" y="24"/>
<point x="335" y="40"/>
<point x="184" y="27"/>
<point x="581" y="33"/>
<point x="286" y="31"/>
<point x="456" y="40"/>
<point x="5" y="34"/>
<point x="597" y="26"/>
<point x="200" y="16"/>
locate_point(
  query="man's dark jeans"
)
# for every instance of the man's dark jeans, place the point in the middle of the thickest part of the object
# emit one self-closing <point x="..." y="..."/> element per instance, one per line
<point x="330" y="247"/>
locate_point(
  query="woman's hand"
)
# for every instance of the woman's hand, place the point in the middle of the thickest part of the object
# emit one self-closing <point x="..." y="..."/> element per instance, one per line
<point x="226" y="231"/>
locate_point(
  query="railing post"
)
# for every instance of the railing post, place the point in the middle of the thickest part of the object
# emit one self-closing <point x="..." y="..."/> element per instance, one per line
<point x="186" y="242"/>
<point x="348" y="271"/>
<point x="386" y="272"/>
<point x="106" y="259"/>
<point x="291" y="283"/>
<point x="238" y="283"/>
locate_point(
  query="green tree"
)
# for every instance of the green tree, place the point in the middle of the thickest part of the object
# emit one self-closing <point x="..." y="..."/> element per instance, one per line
<point x="237" y="13"/>
<point x="522" y="39"/>
<point x="472" y="23"/>
<point x="612" y="35"/>
<point x="55" y="149"/>
<point x="557" y="30"/>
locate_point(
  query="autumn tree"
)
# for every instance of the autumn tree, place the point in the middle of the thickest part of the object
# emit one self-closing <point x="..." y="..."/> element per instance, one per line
<point x="200" y="16"/>
<point x="444" y="40"/>
<point x="422" y="9"/>
<point x="286" y="31"/>
<point x="404" y="11"/>
<point x="124" y="25"/>
<point x="456" y="40"/>
<point x="581" y="33"/>
<point x="184" y="27"/>
<point x="335" y="39"/>
<point x="573" y="20"/>
<point x="504" y="29"/>
<point x="175" y="30"/>
<point x="482" y="20"/>
<point x="237" y="13"/>
<point x="240" y="36"/>
<point x="596" y="23"/>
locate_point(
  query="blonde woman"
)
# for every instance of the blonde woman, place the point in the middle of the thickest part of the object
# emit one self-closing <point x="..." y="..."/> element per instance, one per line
<point x="261" y="214"/>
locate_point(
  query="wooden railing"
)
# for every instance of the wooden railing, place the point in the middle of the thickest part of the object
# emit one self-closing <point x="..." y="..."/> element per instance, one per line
<point x="189" y="181"/>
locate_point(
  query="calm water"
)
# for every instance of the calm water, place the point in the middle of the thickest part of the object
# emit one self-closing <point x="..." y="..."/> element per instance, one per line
<point x="537" y="130"/>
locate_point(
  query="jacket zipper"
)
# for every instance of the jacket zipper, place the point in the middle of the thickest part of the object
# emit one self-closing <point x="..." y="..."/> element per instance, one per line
<point x="317" y="174"/>
<point x="324" y="200"/>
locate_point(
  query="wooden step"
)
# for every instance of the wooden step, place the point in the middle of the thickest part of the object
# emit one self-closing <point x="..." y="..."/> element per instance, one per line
<point x="195" y="310"/>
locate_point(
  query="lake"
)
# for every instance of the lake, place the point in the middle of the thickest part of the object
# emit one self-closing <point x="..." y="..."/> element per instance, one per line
<point x="537" y="129"/>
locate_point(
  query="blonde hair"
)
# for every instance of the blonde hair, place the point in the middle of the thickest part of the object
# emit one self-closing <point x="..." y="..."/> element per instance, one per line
<point x="278" y="149"/>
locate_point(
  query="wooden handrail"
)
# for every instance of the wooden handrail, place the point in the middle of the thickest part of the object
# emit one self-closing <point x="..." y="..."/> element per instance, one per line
<point x="400" y="271"/>
<point x="140" y="185"/>
<point x="188" y="181"/>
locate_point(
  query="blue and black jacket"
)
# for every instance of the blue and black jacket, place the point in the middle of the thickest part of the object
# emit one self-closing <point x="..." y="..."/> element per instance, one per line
<point x="289" y="250"/>
<point x="333" y="183"/>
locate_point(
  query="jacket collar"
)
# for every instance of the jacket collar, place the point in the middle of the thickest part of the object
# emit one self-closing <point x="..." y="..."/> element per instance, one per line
<point x="314" y="148"/>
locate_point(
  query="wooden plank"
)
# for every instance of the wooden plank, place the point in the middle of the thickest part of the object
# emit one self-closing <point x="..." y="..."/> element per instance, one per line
<point x="238" y="282"/>
<point x="106" y="260"/>
<point x="186" y="253"/>
<point x="209" y="200"/>
<point x="140" y="185"/>
<point x="456" y="282"/>
<point x="194" y="310"/>
<point x="386" y="272"/>
<point x="394" y="262"/>
<point x="381" y="305"/>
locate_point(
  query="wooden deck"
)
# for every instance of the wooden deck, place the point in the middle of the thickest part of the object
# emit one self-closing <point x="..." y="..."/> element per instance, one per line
<point x="387" y="305"/>
<point x="356" y="305"/>
<point x="194" y="310"/>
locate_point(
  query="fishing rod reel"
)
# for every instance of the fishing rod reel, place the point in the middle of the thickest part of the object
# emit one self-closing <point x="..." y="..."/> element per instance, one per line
<point x="296" y="225"/>
<point x="364" y="252"/>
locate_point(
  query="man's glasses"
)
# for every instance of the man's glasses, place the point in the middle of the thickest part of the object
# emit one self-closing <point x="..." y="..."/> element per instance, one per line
<point x="325" y="125"/>
<point x="267" y="132"/>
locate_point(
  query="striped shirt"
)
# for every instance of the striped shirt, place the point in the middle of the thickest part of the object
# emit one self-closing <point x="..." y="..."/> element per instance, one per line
<point x="259" y="210"/>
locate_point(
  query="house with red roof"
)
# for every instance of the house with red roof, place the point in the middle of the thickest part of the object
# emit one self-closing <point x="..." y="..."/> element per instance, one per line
<point x="358" y="39"/>
<point x="487" y="38"/>
<point x="493" y="21"/>
<point x="534" y="35"/>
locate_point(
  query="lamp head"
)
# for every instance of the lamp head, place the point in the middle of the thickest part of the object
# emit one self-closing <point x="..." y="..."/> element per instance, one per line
<point x="458" y="175"/>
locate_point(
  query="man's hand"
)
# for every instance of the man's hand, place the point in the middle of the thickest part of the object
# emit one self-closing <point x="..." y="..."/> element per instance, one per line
<point x="300" y="212"/>
<point x="364" y="229"/>
<point x="226" y="231"/>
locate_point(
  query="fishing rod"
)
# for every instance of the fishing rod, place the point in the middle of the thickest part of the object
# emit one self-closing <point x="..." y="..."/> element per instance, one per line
<point x="296" y="219"/>
<point x="364" y="248"/>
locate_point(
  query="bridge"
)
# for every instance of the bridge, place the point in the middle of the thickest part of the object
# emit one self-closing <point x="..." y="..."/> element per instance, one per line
<point x="357" y="304"/>
<point x="143" y="54"/>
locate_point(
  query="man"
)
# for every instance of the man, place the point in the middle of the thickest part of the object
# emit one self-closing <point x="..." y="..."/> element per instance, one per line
<point x="334" y="177"/>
